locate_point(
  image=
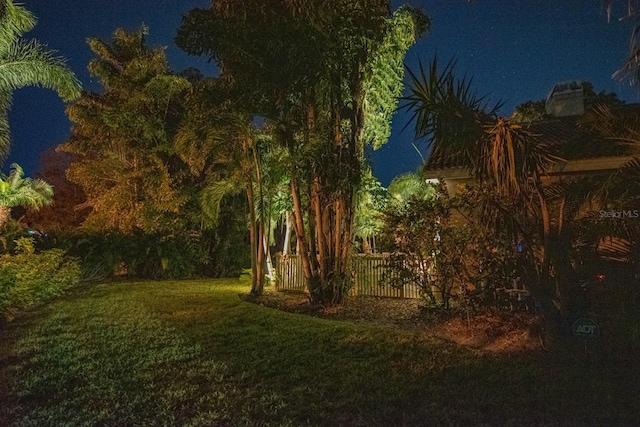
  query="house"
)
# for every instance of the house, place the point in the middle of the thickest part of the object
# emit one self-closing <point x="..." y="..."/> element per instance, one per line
<point x="582" y="150"/>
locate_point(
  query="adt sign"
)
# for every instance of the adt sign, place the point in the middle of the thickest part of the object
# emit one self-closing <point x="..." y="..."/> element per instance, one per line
<point x="586" y="329"/>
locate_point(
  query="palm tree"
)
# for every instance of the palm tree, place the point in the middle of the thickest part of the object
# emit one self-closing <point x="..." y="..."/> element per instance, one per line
<point x="224" y="153"/>
<point x="26" y="63"/>
<point x="408" y="185"/>
<point x="15" y="190"/>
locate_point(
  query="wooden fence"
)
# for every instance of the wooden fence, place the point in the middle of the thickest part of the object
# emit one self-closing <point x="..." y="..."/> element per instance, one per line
<point x="368" y="271"/>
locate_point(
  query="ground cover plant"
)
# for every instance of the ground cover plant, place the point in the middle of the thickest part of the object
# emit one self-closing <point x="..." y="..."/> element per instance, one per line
<point x="196" y="353"/>
<point x="28" y="278"/>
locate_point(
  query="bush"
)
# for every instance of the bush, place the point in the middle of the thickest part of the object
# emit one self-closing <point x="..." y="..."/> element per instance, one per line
<point x="28" y="278"/>
<point x="9" y="235"/>
<point x="107" y="254"/>
<point x="450" y="258"/>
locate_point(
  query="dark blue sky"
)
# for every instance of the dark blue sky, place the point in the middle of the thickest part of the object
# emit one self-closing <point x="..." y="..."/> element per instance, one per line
<point x="514" y="50"/>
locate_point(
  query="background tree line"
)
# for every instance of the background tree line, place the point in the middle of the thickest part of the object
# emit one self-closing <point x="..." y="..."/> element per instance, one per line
<point x="163" y="153"/>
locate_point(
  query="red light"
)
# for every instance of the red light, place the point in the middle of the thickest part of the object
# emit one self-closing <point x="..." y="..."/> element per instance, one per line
<point x="600" y="277"/>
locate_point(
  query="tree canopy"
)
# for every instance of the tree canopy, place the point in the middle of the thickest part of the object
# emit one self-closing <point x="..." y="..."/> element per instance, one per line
<point x="326" y="75"/>
<point x="127" y="163"/>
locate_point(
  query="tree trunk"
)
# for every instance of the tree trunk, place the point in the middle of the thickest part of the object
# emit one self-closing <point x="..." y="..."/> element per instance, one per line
<point x="303" y="248"/>
<point x="545" y="292"/>
<point x="287" y="234"/>
<point x="253" y="239"/>
<point x="269" y="262"/>
<point x="366" y="246"/>
<point x="5" y="214"/>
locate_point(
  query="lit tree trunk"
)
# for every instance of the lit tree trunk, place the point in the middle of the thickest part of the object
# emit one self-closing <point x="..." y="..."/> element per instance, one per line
<point x="5" y="214"/>
<point x="303" y="247"/>
<point x="253" y="242"/>
<point x="287" y="234"/>
<point x="366" y="246"/>
<point x="256" y="226"/>
<point x="546" y="241"/>
<point x="267" y="254"/>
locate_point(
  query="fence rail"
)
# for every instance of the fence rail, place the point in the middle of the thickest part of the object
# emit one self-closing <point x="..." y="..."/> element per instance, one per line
<point x="368" y="272"/>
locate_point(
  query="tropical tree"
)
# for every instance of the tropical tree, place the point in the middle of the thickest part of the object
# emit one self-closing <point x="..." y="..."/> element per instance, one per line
<point x="225" y="153"/>
<point x="408" y="185"/>
<point x="505" y="160"/>
<point x="319" y="72"/>
<point x="27" y="63"/>
<point x="16" y="190"/>
<point x="123" y="139"/>
<point x="371" y="200"/>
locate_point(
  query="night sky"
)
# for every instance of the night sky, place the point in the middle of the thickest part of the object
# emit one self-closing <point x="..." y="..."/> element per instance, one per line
<point x="515" y="50"/>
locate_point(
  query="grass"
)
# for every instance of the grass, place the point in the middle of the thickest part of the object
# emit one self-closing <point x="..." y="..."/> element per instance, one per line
<point x="193" y="353"/>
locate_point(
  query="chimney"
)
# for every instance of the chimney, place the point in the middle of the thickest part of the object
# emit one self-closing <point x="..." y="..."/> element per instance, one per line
<point x="565" y="99"/>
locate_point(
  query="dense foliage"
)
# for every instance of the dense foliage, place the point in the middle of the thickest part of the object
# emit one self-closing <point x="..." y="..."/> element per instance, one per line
<point x="326" y="75"/>
<point x="109" y="254"/>
<point x="439" y="246"/>
<point x="123" y="139"/>
<point x="28" y="278"/>
<point x="152" y="186"/>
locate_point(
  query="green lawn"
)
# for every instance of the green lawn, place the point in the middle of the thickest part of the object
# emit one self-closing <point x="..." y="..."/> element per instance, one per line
<point x="193" y="353"/>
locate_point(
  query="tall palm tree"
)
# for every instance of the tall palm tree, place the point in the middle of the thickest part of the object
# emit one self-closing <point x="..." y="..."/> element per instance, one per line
<point x="224" y="153"/>
<point x="27" y="63"/>
<point x="16" y="190"/>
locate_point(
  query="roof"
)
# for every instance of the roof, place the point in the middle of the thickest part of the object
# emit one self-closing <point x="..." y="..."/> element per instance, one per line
<point x="565" y="135"/>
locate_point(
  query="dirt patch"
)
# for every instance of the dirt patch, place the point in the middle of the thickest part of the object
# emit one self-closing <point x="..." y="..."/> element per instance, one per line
<point x="495" y="331"/>
<point x="489" y="330"/>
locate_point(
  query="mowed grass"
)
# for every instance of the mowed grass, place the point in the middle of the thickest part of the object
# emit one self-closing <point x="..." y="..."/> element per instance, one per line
<point x="192" y="353"/>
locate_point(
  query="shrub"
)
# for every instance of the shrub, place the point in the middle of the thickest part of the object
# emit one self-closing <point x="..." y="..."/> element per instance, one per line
<point x="28" y="278"/>
<point x="107" y="254"/>
<point x="9" y="234"/>
<point x="448" y="256"/>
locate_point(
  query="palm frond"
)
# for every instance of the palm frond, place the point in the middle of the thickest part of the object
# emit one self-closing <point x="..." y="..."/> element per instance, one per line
<point x="510" y="157"/>
<point x="30" y="63"/>
<point x="447" y="112"/>
<point x="14" y="22"/>
<point x="213" y="194"/>
<point x="16" y="190"/>
<point x="408" y="185"/>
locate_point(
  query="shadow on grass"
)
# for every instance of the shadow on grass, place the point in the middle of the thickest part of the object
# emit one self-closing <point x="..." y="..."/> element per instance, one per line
<point x="194" y="353"/>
